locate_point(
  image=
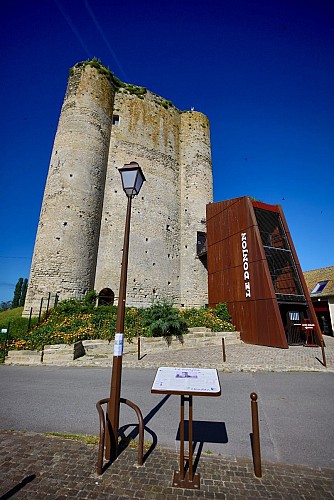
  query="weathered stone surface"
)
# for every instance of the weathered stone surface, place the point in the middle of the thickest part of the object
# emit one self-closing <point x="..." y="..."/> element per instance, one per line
<point x="190" y="340"/>
<point x="23" y="357"/>
<point x="99" y="350"/>
<point x="67" y="239"/>
<point x="59" y="353"/>
<point x="80" y="234"/>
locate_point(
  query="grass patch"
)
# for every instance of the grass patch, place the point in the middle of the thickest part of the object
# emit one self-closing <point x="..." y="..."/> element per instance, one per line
<point x="84" y="438"/>
<point x="133" y="444"/>
<point x="10" y="314"/>
<point x="18" y="326"/>
<point x="93" y="440"/>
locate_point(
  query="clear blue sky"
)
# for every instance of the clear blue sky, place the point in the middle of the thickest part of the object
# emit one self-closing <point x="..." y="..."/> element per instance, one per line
<point x="261" y="70"/>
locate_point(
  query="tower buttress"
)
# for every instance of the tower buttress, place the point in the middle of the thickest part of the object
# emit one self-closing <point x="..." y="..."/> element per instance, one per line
<point x="66" y="245"/>
<point x="196" y="193"/>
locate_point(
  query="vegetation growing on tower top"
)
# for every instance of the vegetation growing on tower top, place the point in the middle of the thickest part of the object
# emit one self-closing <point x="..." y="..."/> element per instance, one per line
<point x="120" y="86"/>
<point x="123" y="87"/>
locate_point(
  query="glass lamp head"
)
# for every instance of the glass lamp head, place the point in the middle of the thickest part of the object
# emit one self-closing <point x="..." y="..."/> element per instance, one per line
<point x="132" y="178"/>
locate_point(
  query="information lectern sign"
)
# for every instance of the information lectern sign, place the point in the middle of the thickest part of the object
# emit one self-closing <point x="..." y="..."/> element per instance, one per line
<point x="186" y="382"/>
<point x="194" y="381"/>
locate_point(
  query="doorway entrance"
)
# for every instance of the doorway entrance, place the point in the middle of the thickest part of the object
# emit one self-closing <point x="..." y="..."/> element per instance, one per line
<point x="106" y="297"/>
<point x="294" y="317"/>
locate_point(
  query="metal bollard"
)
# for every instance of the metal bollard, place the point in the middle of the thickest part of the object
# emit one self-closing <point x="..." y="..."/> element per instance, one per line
<point x="223" y="348"/>
<point x="138" y="348"/>
<point x="323" y="353"/>
<point x="40" y="311"/>
<point x="48" y="304"/>
<point x="29" y="322"/>
<point x="256" y="436"/>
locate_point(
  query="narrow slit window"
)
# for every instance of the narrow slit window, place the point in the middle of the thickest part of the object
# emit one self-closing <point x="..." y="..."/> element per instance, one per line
<point x="115" y="119"/>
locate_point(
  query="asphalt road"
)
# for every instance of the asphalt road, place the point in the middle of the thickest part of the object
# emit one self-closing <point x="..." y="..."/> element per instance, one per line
<point x="295" y="409"/>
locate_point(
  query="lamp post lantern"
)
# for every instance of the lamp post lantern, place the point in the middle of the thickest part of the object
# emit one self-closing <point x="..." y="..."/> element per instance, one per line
<point x="132" y="181"/>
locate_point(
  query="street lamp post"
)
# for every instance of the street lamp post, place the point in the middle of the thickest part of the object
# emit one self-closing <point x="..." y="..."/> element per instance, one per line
<point x="132" y="180"/>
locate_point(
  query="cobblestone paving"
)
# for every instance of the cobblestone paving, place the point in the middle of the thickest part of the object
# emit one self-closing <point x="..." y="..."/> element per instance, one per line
<point x="35" y="466"/>
<point x="239" y="357"/>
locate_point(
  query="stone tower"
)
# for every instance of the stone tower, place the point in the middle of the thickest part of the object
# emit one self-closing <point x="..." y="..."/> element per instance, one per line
<point x="103" y="125"/>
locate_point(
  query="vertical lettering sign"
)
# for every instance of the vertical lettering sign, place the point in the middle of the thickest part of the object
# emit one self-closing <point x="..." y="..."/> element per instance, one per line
<point x="245" y="264"/>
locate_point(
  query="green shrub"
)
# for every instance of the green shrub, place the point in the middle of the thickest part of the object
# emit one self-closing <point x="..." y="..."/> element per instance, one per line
<point x="90" y="298"/>
<point x="76" y="306"/>
<point x="163" y="320"/>
<point x="222" y="312"/>
<point x="104" y="322"/>
<point x="206" y="317"/>
<point x="74" y="320"/>
<point x="68" y="306"/>
<point x="118" y="83"/>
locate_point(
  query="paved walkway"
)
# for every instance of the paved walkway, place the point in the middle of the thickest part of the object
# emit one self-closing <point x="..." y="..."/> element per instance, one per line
<point x="35" y="466"/>
<point x="239" y="357"/>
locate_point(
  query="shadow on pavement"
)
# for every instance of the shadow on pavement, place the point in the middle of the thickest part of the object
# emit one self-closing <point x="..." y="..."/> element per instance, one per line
<point x="125" y="439"/>
<point x="18" y="487"/>
<point x="204" y="432"/>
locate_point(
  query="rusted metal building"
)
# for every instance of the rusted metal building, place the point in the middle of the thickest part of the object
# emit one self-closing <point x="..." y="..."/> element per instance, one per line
<point x="254" y="268"/>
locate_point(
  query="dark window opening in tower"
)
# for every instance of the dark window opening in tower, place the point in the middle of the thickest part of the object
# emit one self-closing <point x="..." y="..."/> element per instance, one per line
<point x="115" y="119"/>
<point x="201" y="243"/>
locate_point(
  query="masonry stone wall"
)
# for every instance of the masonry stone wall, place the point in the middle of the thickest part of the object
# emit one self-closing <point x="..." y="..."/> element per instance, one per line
<point x="196" y="193"/>
<point x="67" y="239"/>
<point x="80" y="233"/>
<point x="148" y="134"/>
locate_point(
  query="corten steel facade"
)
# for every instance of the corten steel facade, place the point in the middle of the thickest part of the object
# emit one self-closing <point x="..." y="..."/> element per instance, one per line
<point x="253" y="267"/>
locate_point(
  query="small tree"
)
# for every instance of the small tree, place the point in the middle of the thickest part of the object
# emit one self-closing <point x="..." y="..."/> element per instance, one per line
<point x="5" y="305"/>
<point x="23" y="292"/>
<point x="17" y="293"/>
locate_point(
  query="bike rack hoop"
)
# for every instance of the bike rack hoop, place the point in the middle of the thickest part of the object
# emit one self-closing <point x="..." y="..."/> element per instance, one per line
<point x="103" y="415"/>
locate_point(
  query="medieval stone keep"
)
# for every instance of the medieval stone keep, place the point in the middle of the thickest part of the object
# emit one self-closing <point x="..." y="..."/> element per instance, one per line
<point x="103" y="125"/>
